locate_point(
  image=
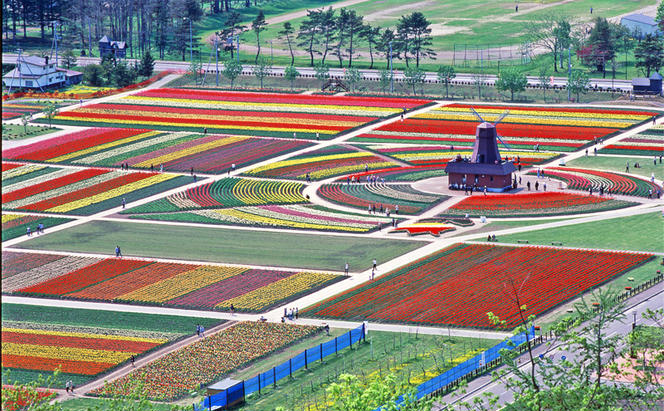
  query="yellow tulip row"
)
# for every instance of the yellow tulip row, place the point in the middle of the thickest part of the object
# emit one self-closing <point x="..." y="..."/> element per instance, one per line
<point x="553" y="113"/>
<point x="116" y="192"/>
<point x="66" y="353"/>
<point x="277" y="222"/>
<point x="165" y="158"/>
<point x="306" y="160"/>
<point x="257" y="192"/>
<point x="19" y="171"/>
<point x="182" y="283"/>
<point x="531" y="120"/>
<point x="269" y="295"/>
<point x="329" y="172"/>
<point x="84" y="335"/>
<point x="10" y="217"/>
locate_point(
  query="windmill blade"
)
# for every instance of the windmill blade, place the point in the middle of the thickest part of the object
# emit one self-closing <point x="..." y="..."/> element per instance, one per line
<point x="503" y="143"/>
<point x="502" y="116"/>
<point x="477" y="115"/>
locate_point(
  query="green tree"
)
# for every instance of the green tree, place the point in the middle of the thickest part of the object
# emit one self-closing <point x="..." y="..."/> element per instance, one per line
<point x="194" y="71"/>
<point x="649" y="54"/>
<point x="551" y="32"/>
<point x="147" y="65"/>
<point x="307" y="35"/>
<point x="512" y="80"/>
<point x="543" y="80"/>
<point x="578" y="83"/>
<point x="286" y="33"/>
<point x="414" y="33"/>
<point x="122" y="75"/>
<point x="262" y="69"/>
<point x="232" y="28"/>
<point x="50" y="111"/>
<point x="479" y="79"/>
<point x="93" y="75"/>
<point x="385" y="79"/>
<point x="290" y="74"/>
<point x="602" y="45"/>
<point x="372" y="36"/>
<point x="68" y="58"/>
<point x="352" y="394"/>
<point x="445" y="74"/>
<point x="659" y="18"/>
<point x="413" y="76"/>
<point x="258" y="25"/>
<point x="322" y="72"/>
<point x="383" y="46"/>
<point x="232" y="69"/>
<point x="352" y="77"/>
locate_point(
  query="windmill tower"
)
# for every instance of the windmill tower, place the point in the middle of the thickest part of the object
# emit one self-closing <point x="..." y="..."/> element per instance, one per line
<point x="485" y="167"/>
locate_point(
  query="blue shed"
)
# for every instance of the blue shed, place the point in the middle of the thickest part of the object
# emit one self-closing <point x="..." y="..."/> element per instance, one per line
<point x="640" y="25"/>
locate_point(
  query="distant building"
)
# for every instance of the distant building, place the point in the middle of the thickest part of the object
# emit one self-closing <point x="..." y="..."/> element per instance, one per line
<point x="37" y="72"/>
<point x="651" y="85"/>
<point x="112" y="48"/>
<point x="640" y="25"/>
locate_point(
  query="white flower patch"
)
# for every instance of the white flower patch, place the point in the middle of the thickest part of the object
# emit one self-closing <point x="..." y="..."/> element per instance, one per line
<point x="39" y="179"/>
<point x="46" y="272"/>
<point x="19" y="171"/>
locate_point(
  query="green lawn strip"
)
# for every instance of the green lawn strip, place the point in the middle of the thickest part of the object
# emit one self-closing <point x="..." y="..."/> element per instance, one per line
<point x="296" y="250"/>
<point x="99" y="404"/>
<point x="406" y="354"/>
<point x="133" y="196"/>
<point x="639" y="233"/>
<point x="18" y="132"/>
<point x="19" y="230"/>
<point x="618" y="164"/>
<point x="24" y="376"/>
<point x="28" y="176"/>
<point x="158" y="206"/>
<point x="104" y="319"/>
<point x="640" y="275"/>
<point x="503" y="225"/>
<point x="542" y="212"/>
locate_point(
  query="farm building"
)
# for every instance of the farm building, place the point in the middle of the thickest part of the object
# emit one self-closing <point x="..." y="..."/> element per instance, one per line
<point x="37" y="72"/>
<point x="107" y="47"/>
<point x="651" y="85"/>
<point x="640" y="25"/>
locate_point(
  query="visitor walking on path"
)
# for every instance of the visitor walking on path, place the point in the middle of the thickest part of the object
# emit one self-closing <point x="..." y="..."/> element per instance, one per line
<point x="132" y="361"/>
<point x="374" y="263"/>
<point x="124" y="202"/>
<point x="232" y="309"/>
<point x="346" y="269"/>
<point x="28" y="230"/>
<point x="118" y="252"/>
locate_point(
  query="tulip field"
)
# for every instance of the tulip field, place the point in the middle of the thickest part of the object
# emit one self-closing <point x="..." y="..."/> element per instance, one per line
<point x="263" y="114"/>
<point x="611" y="182"/>
<point x="552" y="128"/>
<point x="305" y="217"/>
<point x="646" y="143"/>
<point x="431" y="155"/>
<point x="39" y="340"/>
<point x="203" y="362"/>
<point x="460" y="284"/>
<point x="155" y="283"/>
<point x="380" y="196"/>
<point x="323" y="163"/>
<point x="533" y="204"/>
<point x="15" y="225"/>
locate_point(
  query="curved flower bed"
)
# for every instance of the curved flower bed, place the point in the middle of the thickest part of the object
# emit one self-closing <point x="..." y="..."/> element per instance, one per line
<point x="554" y="129"/>
<point x="459" y="285"/>
<point x="411" y="173"/>
<point x="203" y="362"/>
<point x="227" y="193"/>
<point x="306" y="217"/>
<point x="533" y="204"/>
<point x="409" y="200"/>
<point x="433" y="228"/>
<point x="613" y="183"/>
<point x="322" y="163"/>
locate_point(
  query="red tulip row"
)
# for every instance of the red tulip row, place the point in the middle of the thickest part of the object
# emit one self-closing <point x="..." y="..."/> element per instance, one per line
<point x="52" y="184"/>
<point x="460" y="285"/>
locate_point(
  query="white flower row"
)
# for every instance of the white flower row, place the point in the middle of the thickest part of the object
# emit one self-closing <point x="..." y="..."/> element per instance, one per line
<point x="45" y="272"/>
<point x="19" y="171"/>
<point x="387" y="191"/>
<point x="90" y="330"/>
<point x="181" y="200"/>
<point x="39" y="179"/>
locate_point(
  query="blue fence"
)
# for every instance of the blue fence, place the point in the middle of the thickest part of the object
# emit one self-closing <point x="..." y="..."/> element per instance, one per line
<point x="452" y="375"/>
<point x="269" y="378"/>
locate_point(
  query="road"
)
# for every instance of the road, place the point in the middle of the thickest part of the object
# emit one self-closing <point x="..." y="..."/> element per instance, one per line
<point x="430" y="77"/>
<point x="652" y="298"/>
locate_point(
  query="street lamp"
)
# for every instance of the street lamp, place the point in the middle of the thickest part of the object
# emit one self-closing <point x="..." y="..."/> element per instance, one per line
<point x="632" y="354"/>
<point x="391" y="72"/>
<point x="191" y="41"/>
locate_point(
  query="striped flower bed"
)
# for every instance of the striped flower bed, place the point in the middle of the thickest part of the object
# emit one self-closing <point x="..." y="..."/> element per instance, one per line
<point x="85" y="192"/>
<point x="459" y="285"/>
<point x="306" y="217"/>
<point x="16" y="108"/>
<point x="533" y="204"/>
<point x="553" y="129"/>
<point x="16" y="225"/>
<point x="648" y="143"/>
<point x="323" y="163"/>
<point x="386" y="196"/>
<point x="226" y="193"/>
<point x="612" y="183"/>
<point x="442" y="155"/>
<point x="156" y="283"/>
<point x="265" y="114"/>
<point x="410" y="173"/>
<point x="203" y="362"/>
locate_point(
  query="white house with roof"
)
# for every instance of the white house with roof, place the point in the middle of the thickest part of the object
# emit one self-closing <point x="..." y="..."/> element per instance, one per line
<point x="39" y="72"/>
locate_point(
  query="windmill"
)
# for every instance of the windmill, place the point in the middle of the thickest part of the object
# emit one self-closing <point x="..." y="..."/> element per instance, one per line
<point x="485" y="149"/>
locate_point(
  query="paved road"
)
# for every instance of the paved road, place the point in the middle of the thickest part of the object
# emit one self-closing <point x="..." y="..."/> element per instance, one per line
<point x="431" y="77"/>
<point x="652" y="298"/>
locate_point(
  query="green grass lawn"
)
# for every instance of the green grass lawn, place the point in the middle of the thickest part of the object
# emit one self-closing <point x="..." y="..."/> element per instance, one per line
<point x="639" y="233"/>
<point x="403" y="354"/>
<point x="99" y="404"/>
<point x="307" y="251"/>
<point x="618" y="164"/>
<point x="18" y="132"/>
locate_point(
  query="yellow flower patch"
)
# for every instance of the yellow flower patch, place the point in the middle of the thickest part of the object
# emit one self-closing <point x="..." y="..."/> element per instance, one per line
<point x="66" y="353"/>
<point x="85" y="335"/>
<point x="9" y="217"/>
<point x="297" y="161"/>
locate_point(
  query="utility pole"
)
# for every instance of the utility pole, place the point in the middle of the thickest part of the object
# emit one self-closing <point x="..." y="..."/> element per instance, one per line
<point x="191" y="45"/>
<point x="391" y="72"/>
<point x="55" y="42"/>
<point x="569" y="71"/>
<point x="89" y="38"/>
<point x="237" y="51"/>
<point x="216" y="59"/>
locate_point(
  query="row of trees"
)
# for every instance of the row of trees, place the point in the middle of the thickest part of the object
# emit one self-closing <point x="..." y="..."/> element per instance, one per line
<point x="118" y="74"/>
<point x="328" y="34"/>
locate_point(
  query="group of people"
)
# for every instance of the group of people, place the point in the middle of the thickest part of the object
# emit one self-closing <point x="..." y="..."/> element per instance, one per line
<point x="537" y="185"/>
<point x="161" y="168"/>
<point x="291" y="313"/>
<point x="69" y="386"/>
<point x="200" y="331"/>
<point x="491" y="237"/>
<point x="124" y="166"/>
<point x="371" y="208"/>
<point x="38" y="230"/>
